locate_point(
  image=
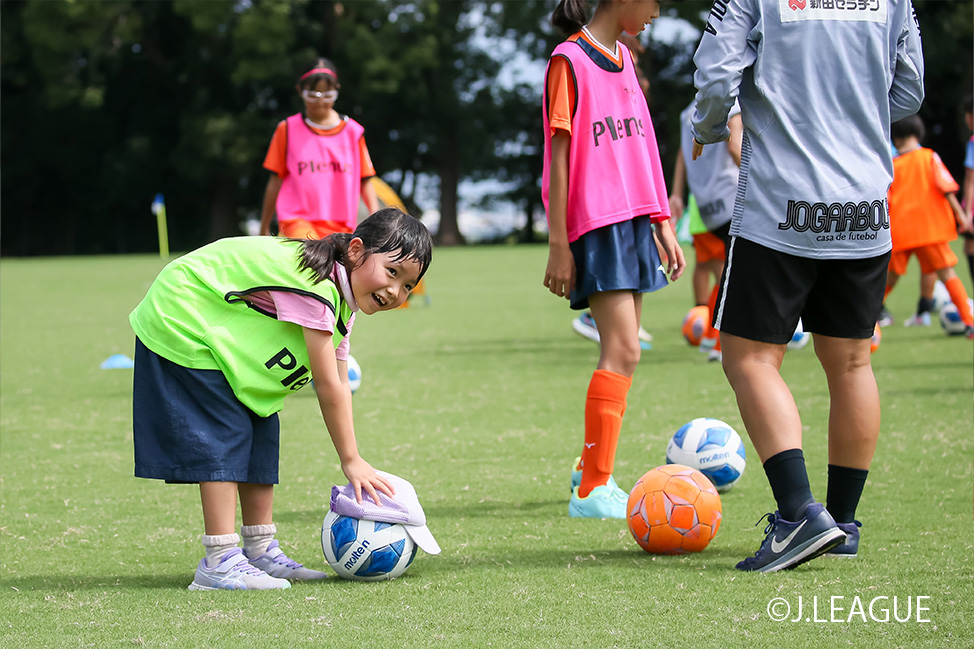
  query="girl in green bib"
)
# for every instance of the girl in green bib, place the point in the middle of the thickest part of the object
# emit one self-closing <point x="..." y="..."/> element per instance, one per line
<point x="222" y="336"/>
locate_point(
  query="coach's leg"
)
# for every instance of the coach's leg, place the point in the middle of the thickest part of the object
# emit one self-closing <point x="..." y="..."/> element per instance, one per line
<point x="770" y="417"/>
<point x="854" y="418"/>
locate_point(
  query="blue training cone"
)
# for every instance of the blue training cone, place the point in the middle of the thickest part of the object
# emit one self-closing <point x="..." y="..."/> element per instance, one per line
<point x="117" y="362"/>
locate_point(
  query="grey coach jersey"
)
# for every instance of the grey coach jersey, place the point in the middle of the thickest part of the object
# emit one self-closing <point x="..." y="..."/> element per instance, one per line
<point x="819" y="82"/>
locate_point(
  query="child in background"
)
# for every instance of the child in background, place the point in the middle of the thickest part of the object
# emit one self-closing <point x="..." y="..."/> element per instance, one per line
<point x="222" y="336"/>
<point x="712" y="179"/>
<point x="924" y="215"/>
<point x="603" y="189"/>
<point x="584" y="324"/>
<point x="319" y="164"/>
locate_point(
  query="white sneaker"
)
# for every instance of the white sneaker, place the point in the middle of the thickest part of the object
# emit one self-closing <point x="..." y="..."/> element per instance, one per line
<point x="584" y="325"/>
<point x="277" y="564"/>
<point x="645" y="336"/>
<point x="715" y="356"/>
<point x="234" y="573"/>
<point x="917" y="320"/>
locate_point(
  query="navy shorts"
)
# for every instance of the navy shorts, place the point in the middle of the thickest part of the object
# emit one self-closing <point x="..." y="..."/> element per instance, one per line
<point x="617" y="257"/>
<point x="188" y="426"/>
<point x="763" y="292"/>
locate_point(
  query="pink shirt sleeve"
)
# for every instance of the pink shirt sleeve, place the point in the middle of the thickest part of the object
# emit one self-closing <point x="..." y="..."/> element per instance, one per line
<point x="306" y="312"/>
<point x="945" y="182"/>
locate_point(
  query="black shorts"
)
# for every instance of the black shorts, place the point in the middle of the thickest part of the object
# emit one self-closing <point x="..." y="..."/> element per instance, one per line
<point x="763" y="292"/>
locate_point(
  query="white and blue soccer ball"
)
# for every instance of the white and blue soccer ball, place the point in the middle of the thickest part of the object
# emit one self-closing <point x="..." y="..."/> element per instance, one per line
<point x="711" y="447"/>
<point x="950" y="320"/>
<point x="800" y="338"/>
<point x="364" y="550"/>
<point x="354" y="374"/>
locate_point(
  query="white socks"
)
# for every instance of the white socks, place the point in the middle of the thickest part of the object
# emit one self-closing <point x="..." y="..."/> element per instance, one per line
<point x="256" y="539"/>
<point x="217" y="546"/>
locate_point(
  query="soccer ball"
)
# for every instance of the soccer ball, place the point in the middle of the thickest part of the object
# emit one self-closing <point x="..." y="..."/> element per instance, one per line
<point x="673" y="509"/>
<point x="800" y="338"/>
<point x="950" y="320"/>
<point x="941" y="296"/>
<point x="875" y="340"/>
<point x="354" y="374"/>
<point x="711" y="447"/>
<point x="695" y="324"/>
<point x="365" y="550"/>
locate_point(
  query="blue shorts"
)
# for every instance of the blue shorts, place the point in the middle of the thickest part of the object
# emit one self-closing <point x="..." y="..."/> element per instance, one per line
<point x="617" y="257"/>
<point x="188" y="426"/>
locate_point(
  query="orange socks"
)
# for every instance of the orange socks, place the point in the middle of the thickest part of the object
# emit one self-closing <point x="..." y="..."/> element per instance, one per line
<point x="605" y="404"/>
<point x="959" y="297"/>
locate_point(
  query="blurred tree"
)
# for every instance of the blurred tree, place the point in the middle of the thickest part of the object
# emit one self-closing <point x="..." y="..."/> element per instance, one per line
<point x="106" y="103"/>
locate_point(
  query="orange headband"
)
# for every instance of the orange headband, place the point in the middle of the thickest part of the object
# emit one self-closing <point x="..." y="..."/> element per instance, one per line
<point x="307" y="74"/>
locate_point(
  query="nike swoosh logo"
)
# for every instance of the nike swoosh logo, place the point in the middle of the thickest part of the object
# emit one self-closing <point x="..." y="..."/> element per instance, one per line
<point x="660" y="269"/>
<point x="778" y="547"/>
<point x="590" y="445"/>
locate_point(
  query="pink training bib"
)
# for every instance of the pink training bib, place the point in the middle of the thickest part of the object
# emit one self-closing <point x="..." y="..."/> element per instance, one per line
<point x="323" y="181"/>
<point x="614" y="168"/>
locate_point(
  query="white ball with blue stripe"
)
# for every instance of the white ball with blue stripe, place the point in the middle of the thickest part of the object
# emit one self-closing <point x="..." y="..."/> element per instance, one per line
<point x="711" y="447"/>
<point x="364" y="550"/>
<point x="354" y="374"/>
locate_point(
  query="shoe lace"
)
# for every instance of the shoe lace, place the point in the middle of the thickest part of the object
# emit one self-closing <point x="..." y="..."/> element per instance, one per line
<point x="285" y="560"/>
<point x="772" y="519"/>
<point x="246" y="567"/>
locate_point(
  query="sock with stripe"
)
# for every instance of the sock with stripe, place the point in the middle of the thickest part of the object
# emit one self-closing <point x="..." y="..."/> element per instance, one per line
<point x="605" y="404"/>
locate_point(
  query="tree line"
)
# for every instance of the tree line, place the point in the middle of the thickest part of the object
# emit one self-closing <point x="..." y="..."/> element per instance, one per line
<point x="105" y="103"/>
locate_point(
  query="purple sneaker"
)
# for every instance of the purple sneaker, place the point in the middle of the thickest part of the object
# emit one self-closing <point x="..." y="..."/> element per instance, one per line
<point x="850" y="548"/>
<point x="277" y="564"/>
<point x="234" y="573"/>
<point x="789" y="544"/>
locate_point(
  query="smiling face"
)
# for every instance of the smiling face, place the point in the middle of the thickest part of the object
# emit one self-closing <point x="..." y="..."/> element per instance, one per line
<point x="378" y="282"/>
<point x="639" y="13"/>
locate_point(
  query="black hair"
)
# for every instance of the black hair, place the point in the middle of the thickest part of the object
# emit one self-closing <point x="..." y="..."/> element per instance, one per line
<point x="906" y="127"/>
<point x="969" y="104"/>
<point x="570" y="15"/>
<point x="312" y="80"/>
<point x="387" y="231"/>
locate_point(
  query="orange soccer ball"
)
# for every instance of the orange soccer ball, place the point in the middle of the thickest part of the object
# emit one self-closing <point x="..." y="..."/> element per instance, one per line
<point x="695" y="324"/>
<point x="674" y="509"/>
<point x="877" y="337"/>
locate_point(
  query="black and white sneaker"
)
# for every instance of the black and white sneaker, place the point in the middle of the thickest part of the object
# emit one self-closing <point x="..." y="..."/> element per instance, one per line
<point x="789" y="544"/>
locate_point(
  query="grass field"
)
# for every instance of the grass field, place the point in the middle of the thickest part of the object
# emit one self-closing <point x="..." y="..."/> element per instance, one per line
<point x="478" y="401"/>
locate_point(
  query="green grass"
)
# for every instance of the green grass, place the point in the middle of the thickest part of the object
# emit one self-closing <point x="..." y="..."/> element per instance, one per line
<point x="478" y="401"/>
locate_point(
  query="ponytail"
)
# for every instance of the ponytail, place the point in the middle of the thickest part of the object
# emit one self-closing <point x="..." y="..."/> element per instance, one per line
<point x="320" y="255"/>
<point x="570" y="15"/>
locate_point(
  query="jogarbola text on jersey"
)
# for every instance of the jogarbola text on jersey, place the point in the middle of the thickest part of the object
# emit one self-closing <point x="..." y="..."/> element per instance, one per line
<point x="837" y="221"/>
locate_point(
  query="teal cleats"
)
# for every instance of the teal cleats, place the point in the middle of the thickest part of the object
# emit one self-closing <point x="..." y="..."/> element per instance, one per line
<point x="577" y="477"/>
<point x="605" y="501"/>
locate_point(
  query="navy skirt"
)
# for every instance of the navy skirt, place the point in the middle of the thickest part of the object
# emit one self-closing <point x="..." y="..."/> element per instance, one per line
<point x="188" y="426"/>
<point x="617" y="257"/>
